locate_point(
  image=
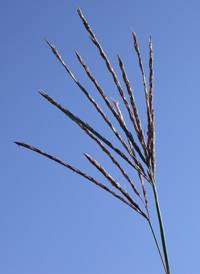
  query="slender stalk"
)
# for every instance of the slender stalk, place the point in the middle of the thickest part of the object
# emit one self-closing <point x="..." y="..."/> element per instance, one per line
<point x="155" y="239"/>
<point x="160" y="224"/>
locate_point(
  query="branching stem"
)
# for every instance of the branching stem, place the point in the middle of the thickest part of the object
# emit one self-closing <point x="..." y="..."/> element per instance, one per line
<point x="160" y="224"/>
<point x="154" y="236"/>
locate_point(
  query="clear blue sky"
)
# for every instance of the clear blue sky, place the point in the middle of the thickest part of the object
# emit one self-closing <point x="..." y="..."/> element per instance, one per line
<point x="54" y="221"/>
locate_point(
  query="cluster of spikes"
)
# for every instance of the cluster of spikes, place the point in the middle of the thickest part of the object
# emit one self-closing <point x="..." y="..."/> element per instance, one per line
<point x="141" y="153"/>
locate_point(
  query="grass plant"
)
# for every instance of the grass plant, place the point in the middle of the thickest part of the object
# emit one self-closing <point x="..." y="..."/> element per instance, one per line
<point x="138" y="152"/>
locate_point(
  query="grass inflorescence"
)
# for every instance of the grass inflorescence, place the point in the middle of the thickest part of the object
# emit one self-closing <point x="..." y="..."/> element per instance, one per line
<point x="139" y="151"/>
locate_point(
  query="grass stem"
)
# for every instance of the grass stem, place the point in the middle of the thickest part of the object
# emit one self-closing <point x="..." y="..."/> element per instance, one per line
<point x="160" y="225"/>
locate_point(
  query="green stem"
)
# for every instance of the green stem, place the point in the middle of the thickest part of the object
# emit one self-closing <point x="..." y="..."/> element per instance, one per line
<point x="161" y="225"/>
<point x="152" y="230"/>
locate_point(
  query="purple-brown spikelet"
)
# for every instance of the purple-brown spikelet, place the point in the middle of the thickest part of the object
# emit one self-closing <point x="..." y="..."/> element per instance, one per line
<point x="150" y="75"/>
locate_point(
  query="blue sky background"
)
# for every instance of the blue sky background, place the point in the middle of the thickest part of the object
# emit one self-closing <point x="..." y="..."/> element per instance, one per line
<point x="54" y="221"/>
